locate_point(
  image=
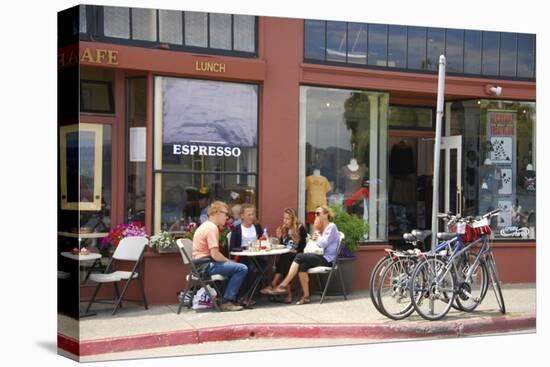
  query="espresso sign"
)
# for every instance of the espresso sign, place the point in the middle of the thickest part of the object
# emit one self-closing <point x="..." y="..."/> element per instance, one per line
<point x="205" y="150"/>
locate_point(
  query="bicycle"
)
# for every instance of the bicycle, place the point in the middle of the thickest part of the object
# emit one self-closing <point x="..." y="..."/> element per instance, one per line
<point x="437" y="281"/>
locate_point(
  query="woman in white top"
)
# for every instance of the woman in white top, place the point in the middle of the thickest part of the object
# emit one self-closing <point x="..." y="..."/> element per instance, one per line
<point x="327" y="236"/>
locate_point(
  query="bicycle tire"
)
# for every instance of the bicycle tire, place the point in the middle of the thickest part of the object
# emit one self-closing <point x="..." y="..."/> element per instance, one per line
<point x="374" y="280"/>
<point x="480" y="273"/>
<point x="425" y="285"/>
<point x="392" y="292"/>
<point x="495" y="282"/>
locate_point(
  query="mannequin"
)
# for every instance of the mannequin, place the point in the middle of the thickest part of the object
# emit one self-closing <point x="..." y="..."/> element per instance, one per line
<point x="352" y="165"/>
<point x="317" y="187"/>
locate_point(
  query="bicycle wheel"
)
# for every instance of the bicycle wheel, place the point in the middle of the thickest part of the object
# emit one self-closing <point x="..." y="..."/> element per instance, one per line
<point x="495" y="281"/>
<point x="471" y="290"/>
<point x="375" y="276"/>
<point x="432" y="289"/>
<point x="393" y="292"/>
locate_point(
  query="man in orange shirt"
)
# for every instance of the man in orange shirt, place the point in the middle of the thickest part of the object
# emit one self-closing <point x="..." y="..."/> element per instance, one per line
<point x="206" y="247"/>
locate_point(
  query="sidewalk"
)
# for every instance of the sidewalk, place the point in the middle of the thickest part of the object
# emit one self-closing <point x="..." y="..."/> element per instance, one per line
<point x="134" y="328"/>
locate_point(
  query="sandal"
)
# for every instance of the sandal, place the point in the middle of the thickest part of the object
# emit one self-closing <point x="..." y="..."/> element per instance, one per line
<point x="266" y="290"/>
<point x="303" y="301"/>
<point x="278" y="290"/>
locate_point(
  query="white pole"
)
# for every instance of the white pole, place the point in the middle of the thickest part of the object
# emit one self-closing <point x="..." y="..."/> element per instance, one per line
<point x="437" y="146"/>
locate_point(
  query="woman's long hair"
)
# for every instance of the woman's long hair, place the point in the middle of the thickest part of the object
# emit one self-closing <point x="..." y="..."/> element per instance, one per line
<point x="294" y="225"/>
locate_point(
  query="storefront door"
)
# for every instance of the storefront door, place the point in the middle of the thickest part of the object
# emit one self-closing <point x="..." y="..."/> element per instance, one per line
<point x="450" y="183"/>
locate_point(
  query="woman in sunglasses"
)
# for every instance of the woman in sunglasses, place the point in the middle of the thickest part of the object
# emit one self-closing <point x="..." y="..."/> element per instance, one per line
<point x="293" y="235"/>
<point x="327" y="236"/>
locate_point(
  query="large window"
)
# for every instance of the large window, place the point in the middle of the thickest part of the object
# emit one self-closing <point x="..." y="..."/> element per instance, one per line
<point x="176" y="30"/>
<point x="343" y="135"/>
<point x="205" y="147"/>
<point x="491" y="54"/>
<point x="499" y="162"/>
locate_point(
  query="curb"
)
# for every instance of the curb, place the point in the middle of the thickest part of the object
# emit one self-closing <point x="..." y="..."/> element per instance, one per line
<point x="311" y="331"/>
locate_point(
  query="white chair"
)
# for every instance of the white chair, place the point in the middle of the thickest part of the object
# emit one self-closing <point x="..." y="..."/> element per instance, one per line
<point x="129" y="249"/>
<point x="330" y="270"/>
<point x="196" y="277"/>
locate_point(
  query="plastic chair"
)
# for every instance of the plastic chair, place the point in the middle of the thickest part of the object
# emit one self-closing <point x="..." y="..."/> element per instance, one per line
<point x="195" y="277"/>
<point x="129" y="249"/>
<point x="330" y="270"/>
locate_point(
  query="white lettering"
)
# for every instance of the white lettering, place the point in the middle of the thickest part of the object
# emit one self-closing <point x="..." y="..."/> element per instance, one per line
<point x="206" y="150"/>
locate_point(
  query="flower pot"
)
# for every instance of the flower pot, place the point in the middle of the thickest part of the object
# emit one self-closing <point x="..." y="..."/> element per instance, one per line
<point x="167" y="250"/>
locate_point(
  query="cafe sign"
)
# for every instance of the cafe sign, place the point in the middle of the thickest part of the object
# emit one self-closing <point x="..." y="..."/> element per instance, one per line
<point x="98" y="56"/>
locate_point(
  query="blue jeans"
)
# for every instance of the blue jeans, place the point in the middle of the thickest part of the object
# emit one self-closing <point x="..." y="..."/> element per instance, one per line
<point x="236" y="273"/>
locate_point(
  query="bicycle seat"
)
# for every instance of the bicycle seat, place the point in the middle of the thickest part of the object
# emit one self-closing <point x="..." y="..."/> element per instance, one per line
<point x="421" y="235"/>
<point x="445" y="236"/>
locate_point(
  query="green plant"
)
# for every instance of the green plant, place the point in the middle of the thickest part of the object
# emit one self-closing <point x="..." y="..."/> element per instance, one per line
<point x="162" y="240"/>
<point x="353" y="228"/>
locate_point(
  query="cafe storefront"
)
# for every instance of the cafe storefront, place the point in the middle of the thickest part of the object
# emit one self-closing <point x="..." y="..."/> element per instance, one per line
<point x="177" y="109"/>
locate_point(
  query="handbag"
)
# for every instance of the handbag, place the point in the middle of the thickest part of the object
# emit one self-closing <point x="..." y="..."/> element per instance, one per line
<point x="313" y="248"/>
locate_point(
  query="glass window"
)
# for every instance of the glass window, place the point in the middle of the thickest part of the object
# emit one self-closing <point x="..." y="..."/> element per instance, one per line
<point x="436" y="47"/>
<point x="490" y="53"/>
<point x="357" y="43"/>
<point x="416" y="53"/>
<point x="206" y="146"/>
<point x="137" y="135"/>
<point x="220" y="31"/>
<point x="410" y="117"/>
<point x="196" y="33"/>
<point x="171" y="27"/>
<point x="454" y="50"/>
<point x="314" y="40"/>
<point x="344" y="135"/>
<point x="116" y="22"/>
<point x="378" y="45"/>
<point x="472" y="52"/>
<point x="526" y="55"/>
<point x="499" y="162"/>
<point x="397" y="46"/>
<point x="508" y="54"/>
<point x="336" y="41"/>
<point x="244" y="29"/>
<point x="83" y="23"/>
<point x="144" y="24"/>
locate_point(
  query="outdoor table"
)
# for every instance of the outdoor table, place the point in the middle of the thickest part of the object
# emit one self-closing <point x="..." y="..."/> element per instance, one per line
<point x="96" y="258"/>
<point x="254" y="256"/>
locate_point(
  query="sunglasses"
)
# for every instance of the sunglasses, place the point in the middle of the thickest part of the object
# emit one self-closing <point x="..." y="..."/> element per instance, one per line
<point x="318" y="213"/>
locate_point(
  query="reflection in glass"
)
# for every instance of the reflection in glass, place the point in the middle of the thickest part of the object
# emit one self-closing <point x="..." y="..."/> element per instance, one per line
<point x="508" y="54"/>
<point x="526" y="55"/>
<point x="377" y="45"/>
<point x="196" y="29"/>
<point x="345" y="136"/>
<point x="499" y="162"/>
<point x="490" y="53"/>
<point x="314" y="40"/>
<point x="416" y="54"/>
<point x="472" y="52"/>
<point x="397" y="46"/>
<point x="171" y="27"/>
<point x="407" y="117"/>
<point x="206" y="135"/>
<point x="454" y="50"/>
<point x="357" y="43"/>
<point x="220" y="31"/>
<point x="336" y="41"/>
<point x="436" y="47"/>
